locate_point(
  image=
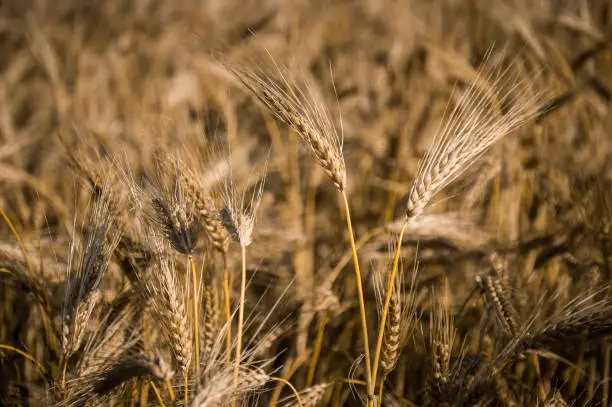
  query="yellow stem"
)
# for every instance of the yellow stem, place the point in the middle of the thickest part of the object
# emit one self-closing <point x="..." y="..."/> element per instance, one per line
<point x="383" y="320"/>
<point x="186" y="384"/>
<point x="364" y="324"/>
<point x="170" y="389"/>
<point x="159" y="398"/>
<point x="240" y="317"/>
<point x="228" y="312"/>
<point x="297" y="395"/>
<point x="291" y="367"/>
<point x="196" y="322"/>
<point x="25" y="355"/>
<point x="3" y="270"/>
<point x="19" y="241"/>
<point x="317" y="350"/>
<point x="380" y="392"/>
<point x="355" y="381"/>
<point x="64" y="364"/>
<point x="144" y="393"/>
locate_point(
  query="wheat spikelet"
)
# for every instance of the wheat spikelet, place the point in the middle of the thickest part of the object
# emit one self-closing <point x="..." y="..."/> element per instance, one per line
<point x="298" y="106"/>
<point x="391" y="342"/>
<point x="85" y="277"/>
<point x="442" y="336"/>
<point x="492" y="288"/>
<point x="207" y="212"/>
<point x="240" y="211"/>
<point x="165" y="294"/>
<point x="473" y="126"/>
<point x="211" y="319"/>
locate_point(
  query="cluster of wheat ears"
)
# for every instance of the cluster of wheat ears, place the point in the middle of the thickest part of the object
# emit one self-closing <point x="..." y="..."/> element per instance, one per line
<point x="184" y="265"/>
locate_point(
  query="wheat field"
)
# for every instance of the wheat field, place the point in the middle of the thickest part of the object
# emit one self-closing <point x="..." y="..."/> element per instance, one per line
<point x="305" y="203"/>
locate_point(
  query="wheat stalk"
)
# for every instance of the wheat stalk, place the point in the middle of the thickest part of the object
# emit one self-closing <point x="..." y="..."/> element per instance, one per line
<point x="239" y="217"/>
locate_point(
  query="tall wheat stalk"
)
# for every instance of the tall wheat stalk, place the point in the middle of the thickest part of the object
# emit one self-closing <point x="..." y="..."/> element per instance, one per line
<point x="299" y="106"/>
<point x="474" y="125"/>
<point x="239" y="216"/>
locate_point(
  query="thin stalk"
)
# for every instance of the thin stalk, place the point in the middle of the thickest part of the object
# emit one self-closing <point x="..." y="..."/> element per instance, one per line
<point x="290" y="368"/>
<point x="380" y="392"/>
<point x="186" y="381"/>
<point x="355" y="381"/>
<point x="144" y="393"/>
<point x="25" y="355"/>
<point x="228" y="312"/>
<point x="383" y="320"/>
<point x="240" y="317"/>
<point x="605" y="393"/>
<point x="134" y="399"/>
<point x="196" y="328"/>
<point x="159" y="398"/>
<point x="364" y="324"/>
<point x="19" y="241"/>
<point x="297" y="395"/>
<point x="317" y="350"/>
<point x="64" y="363"/>
<point x="170" y="389"/>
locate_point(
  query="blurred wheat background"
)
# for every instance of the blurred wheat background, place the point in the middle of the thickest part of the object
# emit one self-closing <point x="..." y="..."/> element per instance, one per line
<point x="305" y="203"/>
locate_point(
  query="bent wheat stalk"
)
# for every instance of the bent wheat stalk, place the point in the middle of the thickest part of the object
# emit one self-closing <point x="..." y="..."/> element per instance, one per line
<point x="472" y="128"/>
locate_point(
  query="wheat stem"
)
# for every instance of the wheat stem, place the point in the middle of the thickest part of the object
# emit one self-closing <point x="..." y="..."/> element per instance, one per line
<point x="385" y="312"/>
<point x="19" y="241"/>
<point x="355" y="381"/>
<point x="380" y="392"/>
<point x="25" y="355"/>
<point x="63" y="363"/>
<point x="196" y="328"/>
<point x="605" y="394"/>
<point x="364" y="324"/>
<point x="228" y="312"/>
<point x="240" y="317"/>
<point x="291" y="366"/>
<point x="317" y="350"/>
<point x="159" y="398"/>
<point x="297" y="395"/>
<point x="170" y="389"/>
<point x="186" y="384"/>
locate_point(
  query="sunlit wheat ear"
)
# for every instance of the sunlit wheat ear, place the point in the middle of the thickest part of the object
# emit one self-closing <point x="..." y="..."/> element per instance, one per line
<point x="205" y="209"/>
<point x="165" y="293"/>
<point x="295" y="103"/>
<point x="497" y="103"/>
<point x="86" y="268"/>
<point x="240" y="210"/>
